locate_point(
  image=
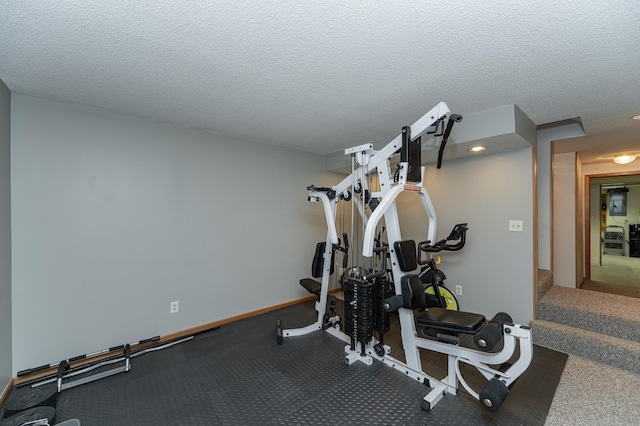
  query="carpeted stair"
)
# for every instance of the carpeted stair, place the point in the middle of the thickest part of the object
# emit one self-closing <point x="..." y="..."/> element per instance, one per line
<point x="598" y="326"/>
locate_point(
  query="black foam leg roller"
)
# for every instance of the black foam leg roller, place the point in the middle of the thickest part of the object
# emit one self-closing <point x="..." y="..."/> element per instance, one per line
<point x="489" y="335"/>
<point x="393" y="303"/>
<point x="502" y="318"/>
<point x="493" y="394"/>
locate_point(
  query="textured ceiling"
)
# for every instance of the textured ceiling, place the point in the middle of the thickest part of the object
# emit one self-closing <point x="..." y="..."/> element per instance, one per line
<point x="324" y="75"/>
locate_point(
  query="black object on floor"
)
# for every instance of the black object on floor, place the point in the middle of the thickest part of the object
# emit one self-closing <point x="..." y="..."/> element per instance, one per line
<point x="238" y="375"/>
<point x="31" y="415"/>
<point x="23" y="398"/>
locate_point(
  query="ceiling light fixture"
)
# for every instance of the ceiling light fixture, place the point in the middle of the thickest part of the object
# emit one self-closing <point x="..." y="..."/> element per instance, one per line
<point x="636" y="117"/>
<point x="624" y="158"/>
<point x="477" y="148"/>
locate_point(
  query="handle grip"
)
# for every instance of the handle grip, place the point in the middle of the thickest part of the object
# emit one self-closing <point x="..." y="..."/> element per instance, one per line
<point x="453" y="118"/>
<point x="383" y="269"/>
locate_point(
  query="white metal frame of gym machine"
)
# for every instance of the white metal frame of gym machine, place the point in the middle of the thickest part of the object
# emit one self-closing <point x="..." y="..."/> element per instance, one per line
<point x="390" y="186"/>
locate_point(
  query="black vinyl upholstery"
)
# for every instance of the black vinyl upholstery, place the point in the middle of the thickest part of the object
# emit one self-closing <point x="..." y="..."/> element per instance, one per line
<point x="406" y="254"/>
<point x="452" y="321"/>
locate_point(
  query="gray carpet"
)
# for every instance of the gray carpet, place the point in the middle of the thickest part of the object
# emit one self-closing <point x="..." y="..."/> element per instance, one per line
<point x="601" y="381"/>
<point x="591" y="393"/>
<point x="612" y="288"/>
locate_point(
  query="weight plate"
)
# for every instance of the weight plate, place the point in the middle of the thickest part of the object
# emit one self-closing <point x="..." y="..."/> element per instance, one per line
<point x="30" y="415"/>
<point x="25" y="397"/>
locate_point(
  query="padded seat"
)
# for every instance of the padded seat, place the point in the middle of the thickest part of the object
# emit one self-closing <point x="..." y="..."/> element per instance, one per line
<point x="311" y="285"/>
<point x="451" y="321"/>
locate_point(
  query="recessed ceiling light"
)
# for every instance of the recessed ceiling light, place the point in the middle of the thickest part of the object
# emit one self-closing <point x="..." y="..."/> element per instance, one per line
<point x="477" y="148"/>
<point x="624" y="158"/>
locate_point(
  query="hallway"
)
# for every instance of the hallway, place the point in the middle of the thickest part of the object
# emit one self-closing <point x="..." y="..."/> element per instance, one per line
<point x="617" y="275"/>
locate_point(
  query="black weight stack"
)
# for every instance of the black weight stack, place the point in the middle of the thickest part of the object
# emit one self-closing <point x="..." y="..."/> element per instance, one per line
<point x="358" y="311"/>
<point x="381" y="318"/>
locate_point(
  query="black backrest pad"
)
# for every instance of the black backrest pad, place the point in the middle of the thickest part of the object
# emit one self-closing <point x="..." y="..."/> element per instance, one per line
<point x="316" y="266"/>
<point x="406" y="253"/>
<point x="412" y="292"/>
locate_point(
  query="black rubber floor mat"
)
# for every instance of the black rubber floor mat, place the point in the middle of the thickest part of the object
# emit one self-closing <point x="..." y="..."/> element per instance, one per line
<point x="238" y="375"/>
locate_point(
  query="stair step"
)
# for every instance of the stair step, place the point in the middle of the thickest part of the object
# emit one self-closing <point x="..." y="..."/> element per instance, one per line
<point x="609" y="314"/>
<point x="614" y="351"/>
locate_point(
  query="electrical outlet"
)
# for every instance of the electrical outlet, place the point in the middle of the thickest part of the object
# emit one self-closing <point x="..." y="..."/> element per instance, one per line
<point x="515" y="226"/>
<point x="174" y="307"/>
<point x="459" y="290"/>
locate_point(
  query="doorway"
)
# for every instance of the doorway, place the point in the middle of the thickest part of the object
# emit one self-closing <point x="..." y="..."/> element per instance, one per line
<point x="612" y="262"/>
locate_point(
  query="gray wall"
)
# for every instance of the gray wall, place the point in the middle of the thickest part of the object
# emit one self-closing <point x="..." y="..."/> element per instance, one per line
<point x="115" y="217"/>
<point x="565" y="195"/>
<point x="544" y="198"/>
<point x="5" y="237"/>
<point x="496" y="267"/>
<point x="546" y="137"/>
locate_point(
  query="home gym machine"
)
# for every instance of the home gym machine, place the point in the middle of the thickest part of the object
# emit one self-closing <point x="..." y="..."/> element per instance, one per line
<point x="494" y="342"/>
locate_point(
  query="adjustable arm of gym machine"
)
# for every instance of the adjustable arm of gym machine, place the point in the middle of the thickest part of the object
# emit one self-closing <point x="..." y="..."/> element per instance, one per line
<point x="329" y="197"/>
<point x="387" y="201"/>
<point x="373" y="159"/>
<point x="316" y="195"/>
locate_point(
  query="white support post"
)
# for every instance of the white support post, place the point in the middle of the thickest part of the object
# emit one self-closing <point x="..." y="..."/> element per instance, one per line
<point x="431" y="215"/>
<point x="452" y="378"/>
